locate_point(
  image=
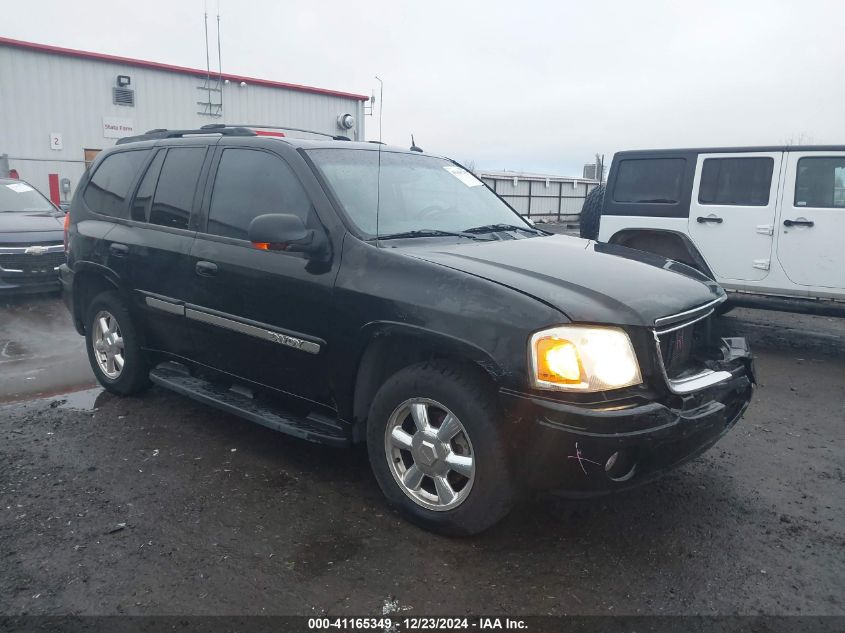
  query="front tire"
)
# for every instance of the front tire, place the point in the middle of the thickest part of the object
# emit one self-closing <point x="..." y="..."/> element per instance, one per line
<point x="113" y="347"/>
<point x="437" y="448"/>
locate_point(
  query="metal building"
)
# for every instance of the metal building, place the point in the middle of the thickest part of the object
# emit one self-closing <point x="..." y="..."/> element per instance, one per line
<point x="59" y="107"/>
<point x="541" y="196"/>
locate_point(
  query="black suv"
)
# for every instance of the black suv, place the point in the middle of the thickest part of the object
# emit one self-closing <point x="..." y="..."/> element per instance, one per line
<point x="352" y="292"/>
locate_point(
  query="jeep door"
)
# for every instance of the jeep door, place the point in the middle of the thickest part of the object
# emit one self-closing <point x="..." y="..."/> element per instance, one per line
<point x="732" y="212"/>
<point x="812" y="219"/>
<point x="258" y="314"/>
<point x="151" y="249"/>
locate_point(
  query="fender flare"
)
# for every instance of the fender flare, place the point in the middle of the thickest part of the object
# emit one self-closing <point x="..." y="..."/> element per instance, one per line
<point x="83" y="270"/>
<point x="374" y="343"/>
<point x="696" y="259"/>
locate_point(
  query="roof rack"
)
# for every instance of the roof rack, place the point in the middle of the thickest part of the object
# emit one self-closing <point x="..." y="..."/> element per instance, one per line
<point x="223" y="129"/>
<point x="337" y="137"/>
<point x="159" y="133"/>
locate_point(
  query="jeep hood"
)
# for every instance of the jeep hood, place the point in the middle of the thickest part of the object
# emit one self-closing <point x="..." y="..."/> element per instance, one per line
<point x="587" y="281"/>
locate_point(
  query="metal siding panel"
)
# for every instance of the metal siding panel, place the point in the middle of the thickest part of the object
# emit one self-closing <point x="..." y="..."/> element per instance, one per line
<point x="42" y="93"/>
<point x="519" y="204"/>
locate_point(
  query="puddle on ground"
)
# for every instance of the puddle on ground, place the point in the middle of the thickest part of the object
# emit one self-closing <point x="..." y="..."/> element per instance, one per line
<point x="79" y="400"/>
<point x="11" y="349"/>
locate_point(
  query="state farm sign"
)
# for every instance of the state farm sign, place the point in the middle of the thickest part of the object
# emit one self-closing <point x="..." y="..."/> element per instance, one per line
<point x="117" y="128"/>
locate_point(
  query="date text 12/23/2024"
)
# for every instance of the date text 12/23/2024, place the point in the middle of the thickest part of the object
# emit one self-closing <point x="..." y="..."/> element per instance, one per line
<point x="416" y="624"/>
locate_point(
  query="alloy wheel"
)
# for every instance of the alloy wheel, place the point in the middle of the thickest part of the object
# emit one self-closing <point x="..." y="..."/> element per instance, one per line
<point x="107" y="341"/>
<point x="429" y="454"/>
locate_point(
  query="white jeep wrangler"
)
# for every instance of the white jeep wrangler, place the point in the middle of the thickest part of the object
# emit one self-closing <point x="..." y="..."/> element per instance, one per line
<point x="767" y="223"/>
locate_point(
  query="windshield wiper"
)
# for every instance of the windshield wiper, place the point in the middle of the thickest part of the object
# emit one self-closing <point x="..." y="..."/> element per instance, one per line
<point x="491" y="228"/>
<point x="430" y="233"/>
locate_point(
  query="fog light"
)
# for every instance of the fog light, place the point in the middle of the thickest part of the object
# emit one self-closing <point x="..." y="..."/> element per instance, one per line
<point x="622" y="465"/>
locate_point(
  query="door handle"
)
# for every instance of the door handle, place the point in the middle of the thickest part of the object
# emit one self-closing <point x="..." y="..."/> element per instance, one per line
<point x="701" y="220"/>
<point x="206" y="269"/>
<point x="118" y="250"/>
<point x="798" y="223"/>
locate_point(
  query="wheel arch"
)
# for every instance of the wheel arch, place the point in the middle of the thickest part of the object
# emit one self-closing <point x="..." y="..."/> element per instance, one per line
<point x="667" y="243"/>
<point x="388" y="347"/>
<point x="89" y="280"/>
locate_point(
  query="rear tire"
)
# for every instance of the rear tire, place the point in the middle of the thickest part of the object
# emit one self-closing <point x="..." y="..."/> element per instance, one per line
<point x="591" y="213"/>
<point x="461" y="399"/>
<point x="113" y="347"/>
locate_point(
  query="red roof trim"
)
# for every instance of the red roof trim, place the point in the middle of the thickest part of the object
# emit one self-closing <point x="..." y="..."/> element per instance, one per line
<point x="140" y="63"/>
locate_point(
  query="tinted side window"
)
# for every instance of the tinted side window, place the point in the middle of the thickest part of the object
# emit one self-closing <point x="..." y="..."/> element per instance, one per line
<point x="177" y="184"/>
<point x="107" y="190"/>
<point x="654" y="180"/>
<point x="738" y="181"/>
<point x="251" y="183"/>
<point x="820" y="182"/>
<point x="144" y="197"/>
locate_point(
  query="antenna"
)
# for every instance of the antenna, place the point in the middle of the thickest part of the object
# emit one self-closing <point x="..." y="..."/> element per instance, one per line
<point x="207" y="56"/>
<point x="378" y="173"/>
<point x="414" y="147"/>
<point x="219" y="60"/>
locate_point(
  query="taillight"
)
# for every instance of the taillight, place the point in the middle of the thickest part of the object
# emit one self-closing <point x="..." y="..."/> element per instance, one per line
<point x="67" y="226"/>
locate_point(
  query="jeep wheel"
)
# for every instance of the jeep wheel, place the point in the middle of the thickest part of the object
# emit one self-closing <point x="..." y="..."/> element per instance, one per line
<point x="591" y="213"/>
<point x="113" y="350"/>
<point x="436" y="446"/>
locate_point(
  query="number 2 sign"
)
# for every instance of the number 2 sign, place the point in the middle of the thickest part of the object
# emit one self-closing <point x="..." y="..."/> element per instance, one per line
<point x="55" y="140"/>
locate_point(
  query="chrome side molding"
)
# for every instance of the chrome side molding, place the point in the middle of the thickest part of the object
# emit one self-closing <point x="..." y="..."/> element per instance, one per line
<point x="251" y="330"/>
<point x="165" y="306"/>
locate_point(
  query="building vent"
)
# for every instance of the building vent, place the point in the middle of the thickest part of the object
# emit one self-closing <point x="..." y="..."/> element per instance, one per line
<point x="123" y="96"/>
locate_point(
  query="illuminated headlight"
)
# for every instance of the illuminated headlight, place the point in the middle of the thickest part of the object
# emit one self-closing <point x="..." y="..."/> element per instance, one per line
<point x="583" y="358"/>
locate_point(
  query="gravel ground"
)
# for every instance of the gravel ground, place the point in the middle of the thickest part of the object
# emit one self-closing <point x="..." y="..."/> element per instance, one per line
<point x="158" y="505"/>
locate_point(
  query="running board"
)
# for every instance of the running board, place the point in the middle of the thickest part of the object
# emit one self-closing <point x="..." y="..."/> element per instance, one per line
<point x="314" y="427"/>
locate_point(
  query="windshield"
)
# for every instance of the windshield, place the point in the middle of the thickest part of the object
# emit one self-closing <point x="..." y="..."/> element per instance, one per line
<point x="418" y="193"/>
<point x="20" y="197"/>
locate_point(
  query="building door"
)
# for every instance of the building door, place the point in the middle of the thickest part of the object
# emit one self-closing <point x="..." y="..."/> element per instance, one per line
<point x="812" y="219"/>
<point x="732" y="212"/>
<point x="90" y="155"/>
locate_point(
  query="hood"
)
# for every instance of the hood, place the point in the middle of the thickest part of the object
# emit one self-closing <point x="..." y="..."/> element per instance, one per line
<point x="43" y="223"/>
<point x="587" y="281"/>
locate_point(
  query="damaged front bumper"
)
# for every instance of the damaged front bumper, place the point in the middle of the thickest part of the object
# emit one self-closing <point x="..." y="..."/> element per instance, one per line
<point x="585" y="451"/>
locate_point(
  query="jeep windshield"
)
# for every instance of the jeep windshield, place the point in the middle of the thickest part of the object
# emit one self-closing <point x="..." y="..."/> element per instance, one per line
<point x="19" y="197"/>
<point x="415" y="195"/>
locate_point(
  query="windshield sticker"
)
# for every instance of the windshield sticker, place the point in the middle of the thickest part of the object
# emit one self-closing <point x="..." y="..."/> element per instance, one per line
<point x="463" y="175"/>
<point x="20" y="187"/>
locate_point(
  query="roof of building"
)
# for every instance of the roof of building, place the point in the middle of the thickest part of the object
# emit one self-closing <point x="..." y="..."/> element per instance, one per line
<point x="523" y="175"/>
<point x="140" y="63"/>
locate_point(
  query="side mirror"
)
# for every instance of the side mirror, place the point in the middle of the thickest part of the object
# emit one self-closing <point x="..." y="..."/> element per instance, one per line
<point x="283" y="232"/>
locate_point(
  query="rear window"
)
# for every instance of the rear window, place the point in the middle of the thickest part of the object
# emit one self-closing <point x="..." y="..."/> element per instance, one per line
<point x="736" y="181"/>
<point x="107" y="190"/>
<point x="649" y="180"/>
<point x="820" y="182"/>
<point x="177" y="184"/>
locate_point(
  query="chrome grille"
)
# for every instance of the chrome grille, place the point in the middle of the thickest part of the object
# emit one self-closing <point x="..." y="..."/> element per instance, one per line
<point x="676" y="348"/>
<point x="36" y="259"/>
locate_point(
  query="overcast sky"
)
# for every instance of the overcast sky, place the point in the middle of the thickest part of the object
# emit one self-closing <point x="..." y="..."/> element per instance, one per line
<point x="537" y="86"/>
